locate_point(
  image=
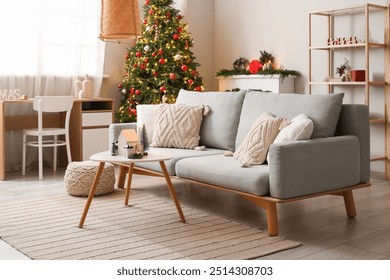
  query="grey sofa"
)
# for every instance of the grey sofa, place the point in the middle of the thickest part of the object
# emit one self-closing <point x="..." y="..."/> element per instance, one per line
<point x="334" y="161"/>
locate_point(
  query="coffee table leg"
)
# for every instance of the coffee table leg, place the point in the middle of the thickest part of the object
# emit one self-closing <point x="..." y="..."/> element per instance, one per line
<point x="128" y="185"/>
<point x="91" y="193"/>
<point x="121" y="177"/>
<point x="172" y="191"/>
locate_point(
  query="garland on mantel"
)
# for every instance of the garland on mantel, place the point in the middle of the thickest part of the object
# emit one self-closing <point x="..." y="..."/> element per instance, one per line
<point x="224" y="73"/>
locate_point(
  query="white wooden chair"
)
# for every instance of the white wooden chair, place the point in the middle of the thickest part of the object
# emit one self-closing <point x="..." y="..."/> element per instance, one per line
<point x="48" y="104"/>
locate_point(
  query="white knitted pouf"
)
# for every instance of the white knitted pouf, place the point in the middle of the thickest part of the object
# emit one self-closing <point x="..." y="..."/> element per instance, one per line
<point x="79" y="177"/>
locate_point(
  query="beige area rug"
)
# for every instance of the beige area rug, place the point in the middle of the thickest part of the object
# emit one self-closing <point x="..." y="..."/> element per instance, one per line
<point x="149" y="228"/>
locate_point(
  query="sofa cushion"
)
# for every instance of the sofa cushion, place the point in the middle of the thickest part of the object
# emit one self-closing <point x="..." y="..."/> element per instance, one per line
<point x="177" y="154"/>
<point x="323" y="110"/>
<point x="177" y="126"/>
<point x="253" y="150"/>
<point x="225" y="172"/>
<point x="219" y="129"/>
<point x="300" y="128"/>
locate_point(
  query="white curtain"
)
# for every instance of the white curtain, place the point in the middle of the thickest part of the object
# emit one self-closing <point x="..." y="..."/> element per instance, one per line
<point x="45" y="46"/>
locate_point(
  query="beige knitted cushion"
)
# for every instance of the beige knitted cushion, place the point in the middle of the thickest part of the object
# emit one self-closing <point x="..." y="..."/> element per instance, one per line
<point x="253" y="149"/>
<point x="178" y="125"/>
<point x="79" y="177"/>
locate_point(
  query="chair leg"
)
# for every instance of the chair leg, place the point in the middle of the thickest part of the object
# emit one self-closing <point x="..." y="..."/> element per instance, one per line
<point x="55" y="154"/>
<point x="24" y="155"/>
<point x="40" y="157"/>
<point x="68" y="148"/>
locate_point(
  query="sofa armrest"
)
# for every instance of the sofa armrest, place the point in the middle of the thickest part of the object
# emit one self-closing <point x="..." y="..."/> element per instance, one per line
<point x="115" y="129"/>
<point x="318" y="165"/>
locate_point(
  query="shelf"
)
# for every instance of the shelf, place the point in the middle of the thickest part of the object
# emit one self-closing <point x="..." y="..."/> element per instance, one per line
<point x="378" y="120"/>
<point x="372" y="83"/>
<point x="378" y="158"/>
<point x="362" y="51"/>
<point x="350" y="10"/>
<point x="346" y="46"/>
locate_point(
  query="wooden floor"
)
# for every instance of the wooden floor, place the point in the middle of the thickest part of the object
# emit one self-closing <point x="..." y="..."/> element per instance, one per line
<point x="320" y="224"/>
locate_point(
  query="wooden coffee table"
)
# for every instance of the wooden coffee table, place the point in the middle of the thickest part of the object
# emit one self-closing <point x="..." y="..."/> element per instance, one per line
<point x="104" y="157"/>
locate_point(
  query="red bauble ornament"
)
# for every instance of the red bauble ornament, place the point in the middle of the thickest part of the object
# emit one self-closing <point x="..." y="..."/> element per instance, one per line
<point x="198" y="88"/>
<point x="172" y="76"/>
<point x="162" y="61"/>
<point x="179" y="16"/>
<point x="194" y="73"/>
<point x="160" y="51"/>
<point x="133" y="112"/>
<point x="176" y="36"/>
<point x="151" y="12"/>
<point x="184" y="67"/>
<point x="132" y="91"/>
<point x="127" y="56"/>
<point x="120" y="86"/>
<point x="255" y="66"/>
<point x="168" y="15"/>
<point x="142" y="66"/>
<point x="179" y="29"/>
<point x="154" y="54"/>
<point x="137" y="92"/>
<point x="162" y="88"/>
<point x="146" y="60"/>
<point x="155" y="73"/>
<point x="135" y="65"/>
<point x="190" y="81"/>
<point x="138" y="54"/>
<point x="145" y="21"/>
<point x="146" y="2"/>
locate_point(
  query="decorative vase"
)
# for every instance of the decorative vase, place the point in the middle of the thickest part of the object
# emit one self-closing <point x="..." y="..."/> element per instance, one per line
<point x="87" y="87"/>
<point x="76" y="87"/>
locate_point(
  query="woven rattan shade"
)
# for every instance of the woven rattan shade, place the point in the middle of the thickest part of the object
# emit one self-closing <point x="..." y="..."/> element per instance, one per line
<point x="119" y="20"/>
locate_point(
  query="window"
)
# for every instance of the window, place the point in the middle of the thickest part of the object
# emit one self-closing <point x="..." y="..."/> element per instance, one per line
<point x="56" y="37"/>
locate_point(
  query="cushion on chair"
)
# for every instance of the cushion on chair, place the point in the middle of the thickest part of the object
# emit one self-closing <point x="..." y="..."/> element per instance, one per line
<point x="79" y="176"/>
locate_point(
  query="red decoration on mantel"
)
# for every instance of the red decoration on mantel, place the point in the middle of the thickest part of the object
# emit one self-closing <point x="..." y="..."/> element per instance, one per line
<point x="255" y="66"/>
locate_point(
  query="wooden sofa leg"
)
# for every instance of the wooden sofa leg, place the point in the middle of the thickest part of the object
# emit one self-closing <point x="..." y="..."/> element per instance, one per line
<point x="272" y="219"/>
<point x="272" y="214"/>
<point x="349" y="204"/>
<point x="122" y="176"/>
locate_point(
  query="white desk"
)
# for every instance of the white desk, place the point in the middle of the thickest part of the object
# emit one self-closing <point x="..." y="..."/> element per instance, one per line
<point x="104" y="157"/>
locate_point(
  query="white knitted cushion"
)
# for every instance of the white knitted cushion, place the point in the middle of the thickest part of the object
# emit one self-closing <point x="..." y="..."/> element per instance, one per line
<point x="79" y="177"/>
<point x="178" y="125"/>
<point x="253" y="150"/>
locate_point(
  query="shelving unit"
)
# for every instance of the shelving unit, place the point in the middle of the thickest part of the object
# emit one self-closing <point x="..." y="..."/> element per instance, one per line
<point x="362" y="49"/>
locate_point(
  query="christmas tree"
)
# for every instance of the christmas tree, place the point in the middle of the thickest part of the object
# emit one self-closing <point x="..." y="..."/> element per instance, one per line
<point x="160" y="63"/>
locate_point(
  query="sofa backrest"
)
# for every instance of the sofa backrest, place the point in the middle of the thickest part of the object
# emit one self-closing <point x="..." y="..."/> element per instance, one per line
<point x="323" y="110"/>
<point x="219" y="128"/>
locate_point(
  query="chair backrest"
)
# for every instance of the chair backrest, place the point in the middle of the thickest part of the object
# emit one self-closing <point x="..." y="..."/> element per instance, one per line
<point x="52" y="104"/>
